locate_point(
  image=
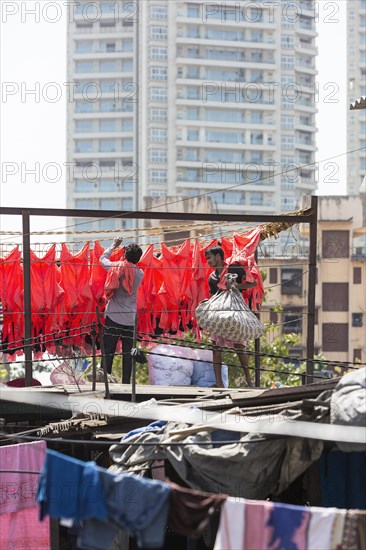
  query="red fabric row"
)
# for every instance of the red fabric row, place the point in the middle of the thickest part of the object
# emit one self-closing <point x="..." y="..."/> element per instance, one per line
<point x="66" y="290"/>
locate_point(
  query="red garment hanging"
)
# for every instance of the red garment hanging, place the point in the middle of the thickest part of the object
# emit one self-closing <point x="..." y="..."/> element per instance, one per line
<point x="244" y="247"/>
<point x="198" y="288"/>
<point x="176" y="275"/>
<point x="148" y="302"/>
<point x="79" y="304"/>
<point x="11" y="297"/>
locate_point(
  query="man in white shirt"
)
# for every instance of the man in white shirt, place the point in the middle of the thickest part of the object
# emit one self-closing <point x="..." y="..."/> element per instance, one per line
<point x="121" y="309"/>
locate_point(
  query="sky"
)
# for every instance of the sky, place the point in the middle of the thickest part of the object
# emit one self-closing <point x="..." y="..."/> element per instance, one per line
<point x="33" y="50"/>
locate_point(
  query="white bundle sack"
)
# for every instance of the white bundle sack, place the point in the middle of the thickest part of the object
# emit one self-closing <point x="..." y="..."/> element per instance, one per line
<point x="203" y="371"/>
<point x="170" y="365"/>
<point x="226" y="314"/>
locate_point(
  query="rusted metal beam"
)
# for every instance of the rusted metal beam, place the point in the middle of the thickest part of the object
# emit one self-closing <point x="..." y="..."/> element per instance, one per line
<point x="27" y="299"/>
<point x="311" y="290"/>
<point x="148" y="215"/>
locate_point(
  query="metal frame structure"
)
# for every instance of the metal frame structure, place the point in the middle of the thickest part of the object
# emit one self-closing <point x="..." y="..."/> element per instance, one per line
<point x="310" y="217"/>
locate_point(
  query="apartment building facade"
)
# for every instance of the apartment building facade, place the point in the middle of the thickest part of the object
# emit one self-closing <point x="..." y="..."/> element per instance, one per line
<point x="191" y="98"/>
<point x="340" y="286"/>
<point x="356" y="73"/>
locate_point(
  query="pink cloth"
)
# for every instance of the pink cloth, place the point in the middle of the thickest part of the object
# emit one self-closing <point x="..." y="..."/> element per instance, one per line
<point x="19" y="524"/>
<point x="123" y="273"/>
<point x="23" y="531"/>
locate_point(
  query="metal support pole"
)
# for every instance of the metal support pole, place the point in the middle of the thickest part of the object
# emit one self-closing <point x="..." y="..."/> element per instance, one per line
<point x="27" y="299"/>
<point x="257" y="348"/>
<point x="103" y="354"/>
<point x="133" y="372"/>
<point x="311" y="289"/>
<point x="94" y="351"/>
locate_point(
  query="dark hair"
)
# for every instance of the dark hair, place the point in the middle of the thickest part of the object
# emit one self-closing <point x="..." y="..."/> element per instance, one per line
<point x="215" y="250"/>
<point x="133" y="253"/>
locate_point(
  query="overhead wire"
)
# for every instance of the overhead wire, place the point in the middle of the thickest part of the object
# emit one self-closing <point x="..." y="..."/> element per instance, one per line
<point x="222" y="189"/>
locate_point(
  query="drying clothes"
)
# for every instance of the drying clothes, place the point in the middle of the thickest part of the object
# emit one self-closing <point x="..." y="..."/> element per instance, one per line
<point x="197" y="290"/>
<point x="190" y="511"/>
<point x="19" y="522"/>
<point x="243" y="253"/>
<point x="231" y="532"/>
<point x="137" y="505"/>
<point x="324" y="528"/>
<point x="11" y="297"/>
<point x="176" y="276"/>
<point x="70" y="488"/>
<point x="148" y="301"/>
<point x="23" y="531"/>
<point x="354" y="532"/>
<point x="66" y="290"/>
<point x="46" y="290"/>
<point x="249" y="525"/>
<point x="343" y="479"/>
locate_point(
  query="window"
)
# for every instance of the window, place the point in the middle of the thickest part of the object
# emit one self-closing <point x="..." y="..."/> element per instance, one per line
<point x="127" y="66"/>
<point x="127" y="125"/>
<point x="335" y="244"/>
<point x="159" y="12"/>
<point x="287" y="122"/>
<point x="127" y="145"/>
<point x="335" y="296"/>
<point x="158" y="73"/>
<point x="107" y="66"/>
<point x="84" y="46"/>
<point x="292" y="321"/>
<point x="157" y="193"/>
<point x="158" y="114"/>
<point x="82" y="186"/>
<point x="273" y="275"/>
<point x="158" y="33"/>
<point x="335" y="336"/>
<point x="158" y="176"/>
<point x="84" y="203"/>
<point x="108" y="185"/>
<point x="127" y="185"/>
<point x="127" y="204"/>
<point x="287" y="142"/>
<point x="357" y="355"/>
<point x="287" y="41"/>
<point x="107" y="146"/>
<point x="291" y="281"/>
<point x="107" y="46"/>
<point x="158" y="155"/>
<point x="84" y="126"/>
<point x="357" y="277"/>
<point x="357" y="320"/>
<point x="287" y="61"/>
<point x="159" y="53"/>
<point x="108" y="125"/>
<point x="256" y="198"/>
<point x="84" y="66"/>
<point x="158" y="94"/>
<point x="108" y="204"/>
<point x="158" y="135"/>
<point x="127" y="45"/>
<point x="84" y="146"/>
<point x="193" y="134"/>
<point x="193" y="11"/>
